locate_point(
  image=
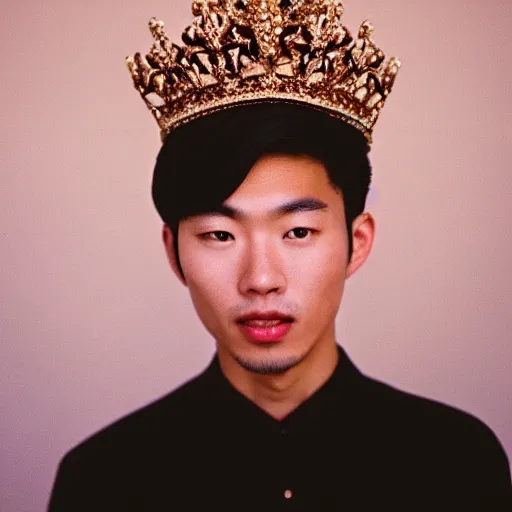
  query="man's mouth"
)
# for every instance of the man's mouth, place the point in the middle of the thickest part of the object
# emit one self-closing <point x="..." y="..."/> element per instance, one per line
<point x="264" y="323"/>
<point x="266" y="331"/>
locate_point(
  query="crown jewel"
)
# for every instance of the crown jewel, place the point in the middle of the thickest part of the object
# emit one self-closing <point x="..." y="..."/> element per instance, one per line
<point x="246" y="51"/>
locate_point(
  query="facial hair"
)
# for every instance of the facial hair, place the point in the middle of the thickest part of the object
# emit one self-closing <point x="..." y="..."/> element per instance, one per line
<point x="269" y="366"/>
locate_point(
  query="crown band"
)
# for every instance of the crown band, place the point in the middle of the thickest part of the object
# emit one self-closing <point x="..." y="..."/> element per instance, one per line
<point x="216" y="106"/>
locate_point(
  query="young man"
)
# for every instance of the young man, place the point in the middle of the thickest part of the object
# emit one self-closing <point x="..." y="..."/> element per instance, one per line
<point x="261" y="182"/>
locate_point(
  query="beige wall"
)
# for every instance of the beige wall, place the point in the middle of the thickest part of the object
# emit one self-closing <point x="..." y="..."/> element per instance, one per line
<point x="93" y="324"/>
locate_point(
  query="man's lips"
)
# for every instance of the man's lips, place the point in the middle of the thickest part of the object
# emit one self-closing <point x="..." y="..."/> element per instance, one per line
<point x="264" y="315"/>
<point x="263" y="323"/>
<point x="264" y="331"/>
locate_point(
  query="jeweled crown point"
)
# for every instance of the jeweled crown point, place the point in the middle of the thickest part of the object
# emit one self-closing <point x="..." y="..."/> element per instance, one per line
<point x="247" y="51"/>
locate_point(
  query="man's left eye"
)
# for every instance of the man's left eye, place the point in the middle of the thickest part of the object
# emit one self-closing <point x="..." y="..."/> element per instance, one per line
<point x="300" y="233"/>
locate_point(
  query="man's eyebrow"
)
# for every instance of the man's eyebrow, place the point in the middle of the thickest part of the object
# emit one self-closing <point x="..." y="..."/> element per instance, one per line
<point x="304" y="204"/>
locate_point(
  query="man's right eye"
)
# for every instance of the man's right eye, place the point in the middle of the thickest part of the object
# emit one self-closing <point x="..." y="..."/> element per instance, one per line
<point x="222" y="238"/>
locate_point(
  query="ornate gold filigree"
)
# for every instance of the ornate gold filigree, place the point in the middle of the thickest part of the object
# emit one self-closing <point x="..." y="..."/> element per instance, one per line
<point x="246" y="51"/>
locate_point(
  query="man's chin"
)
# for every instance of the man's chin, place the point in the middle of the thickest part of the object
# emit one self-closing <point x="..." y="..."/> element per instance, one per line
<point x="269" y="365"/>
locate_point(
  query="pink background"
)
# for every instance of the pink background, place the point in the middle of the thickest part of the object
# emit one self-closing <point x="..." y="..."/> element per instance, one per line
<point x="93" y="323"/>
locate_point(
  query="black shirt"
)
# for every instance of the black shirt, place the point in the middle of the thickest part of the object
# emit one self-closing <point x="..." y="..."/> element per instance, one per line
<point x="356" y="444"/>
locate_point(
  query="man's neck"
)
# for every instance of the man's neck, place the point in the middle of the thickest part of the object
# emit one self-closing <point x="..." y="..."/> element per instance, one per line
<point x="279" y="395"/>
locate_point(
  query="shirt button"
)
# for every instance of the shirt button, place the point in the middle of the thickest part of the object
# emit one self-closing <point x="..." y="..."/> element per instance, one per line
<point x="288" y="494"/>
<point x="284" y="431"/>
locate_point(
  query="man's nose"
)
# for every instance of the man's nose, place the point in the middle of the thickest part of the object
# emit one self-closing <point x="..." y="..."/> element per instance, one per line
<point x="262" y="270"/>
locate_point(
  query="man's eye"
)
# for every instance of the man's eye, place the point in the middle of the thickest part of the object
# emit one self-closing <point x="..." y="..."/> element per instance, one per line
<point x="300" y="233"/>
<point x="222" y="238"/>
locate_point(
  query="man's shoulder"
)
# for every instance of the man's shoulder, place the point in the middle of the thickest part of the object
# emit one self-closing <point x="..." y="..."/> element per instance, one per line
<point x="165" y="418"/>
<point x="133" y="454"/>
<point x="413" y="410"/>
<point x="432" y="430"/>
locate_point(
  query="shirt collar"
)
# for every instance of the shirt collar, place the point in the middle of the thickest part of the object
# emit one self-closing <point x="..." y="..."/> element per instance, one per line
<point x="339" y="393"/>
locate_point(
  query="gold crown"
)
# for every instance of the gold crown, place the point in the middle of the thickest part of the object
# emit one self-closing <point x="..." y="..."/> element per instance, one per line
<point x="248" y="51"/>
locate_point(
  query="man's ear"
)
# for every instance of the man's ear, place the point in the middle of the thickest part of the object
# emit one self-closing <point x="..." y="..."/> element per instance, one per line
<point x="363" y="235"/>
<point x="168" y="239"/>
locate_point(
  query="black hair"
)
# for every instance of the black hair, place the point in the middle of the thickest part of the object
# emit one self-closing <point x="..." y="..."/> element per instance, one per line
<point x="203" y="162"/>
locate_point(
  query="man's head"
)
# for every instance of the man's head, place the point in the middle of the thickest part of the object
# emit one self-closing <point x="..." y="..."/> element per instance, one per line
<point x="246" y="163"/>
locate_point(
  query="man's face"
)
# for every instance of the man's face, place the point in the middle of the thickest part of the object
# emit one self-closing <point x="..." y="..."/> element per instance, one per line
<point x="294" y="263"/>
